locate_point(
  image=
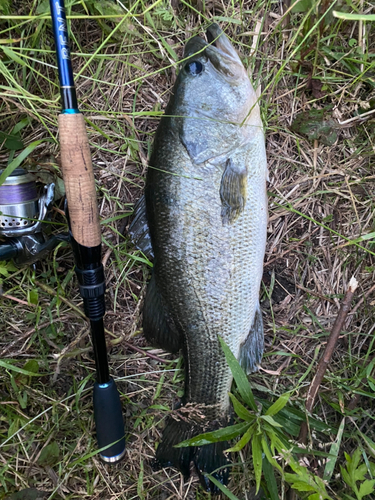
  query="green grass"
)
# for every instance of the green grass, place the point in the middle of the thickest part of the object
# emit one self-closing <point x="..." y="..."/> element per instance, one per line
<point x="321" y="232"/>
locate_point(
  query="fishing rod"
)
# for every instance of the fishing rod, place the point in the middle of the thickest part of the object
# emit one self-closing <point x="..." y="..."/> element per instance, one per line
<point x="85" y="236"/>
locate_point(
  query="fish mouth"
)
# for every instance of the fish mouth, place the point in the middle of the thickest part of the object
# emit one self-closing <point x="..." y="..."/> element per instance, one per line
<point x="218" y="49"/>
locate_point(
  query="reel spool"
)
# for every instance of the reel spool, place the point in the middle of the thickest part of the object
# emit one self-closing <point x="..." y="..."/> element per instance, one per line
<point x="19" y="207"/>
<point x="22" y="214"/>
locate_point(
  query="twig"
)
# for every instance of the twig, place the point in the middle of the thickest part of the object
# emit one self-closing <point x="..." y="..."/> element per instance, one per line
<point x="40" y="326"/>
<point x="23" y="302"/>
<point x="327" y="355"/>
<point x="53" y="292"/>
<point x="146" y="353"/>
<point x="361" y="300"/>
<point x="81" y="313"/>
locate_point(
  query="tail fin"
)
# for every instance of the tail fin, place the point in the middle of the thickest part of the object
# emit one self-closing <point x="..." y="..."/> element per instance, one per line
<point x="211" y="459"/>
<point x="175" y="432"/>
<point x="207" y="459"/>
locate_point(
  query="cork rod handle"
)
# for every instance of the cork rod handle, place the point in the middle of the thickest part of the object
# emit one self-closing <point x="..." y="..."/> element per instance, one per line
<point x="79" y="180"/>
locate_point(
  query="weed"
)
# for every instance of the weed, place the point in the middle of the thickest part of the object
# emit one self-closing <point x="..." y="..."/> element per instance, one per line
<point x="311" y="58"/>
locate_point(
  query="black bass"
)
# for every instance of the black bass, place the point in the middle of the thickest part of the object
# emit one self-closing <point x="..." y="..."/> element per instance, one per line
<point x="205" y="206"/>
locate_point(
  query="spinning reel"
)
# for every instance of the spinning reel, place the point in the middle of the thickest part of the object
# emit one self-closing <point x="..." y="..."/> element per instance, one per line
<point x="22" y="214"/>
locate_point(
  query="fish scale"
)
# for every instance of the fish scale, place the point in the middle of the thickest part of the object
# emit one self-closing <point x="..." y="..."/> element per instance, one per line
<point x="227" y="295"/>
<point x="206" y="209"/>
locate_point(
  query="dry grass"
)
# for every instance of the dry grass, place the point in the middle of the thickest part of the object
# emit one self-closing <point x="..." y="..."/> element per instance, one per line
<point x="321" y="199"/>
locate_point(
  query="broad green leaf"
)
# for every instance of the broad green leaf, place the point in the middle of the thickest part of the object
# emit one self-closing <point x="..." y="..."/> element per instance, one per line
<point x="12" y="141"/>
<point x="50" y="454"/>
<point x="43" y="7"/>
<point x="269" y="455"/>
<point x="32" y="297"/>
<point x="367" y="487"/>
<point x="304" y="481"/>
<point x="239" y="375"/>
<point x="27" y="494"/>
<point x="290" y="418"/>
<point x="297" y="484"/>
<point x="270" y="479"/>
<point x="257" y="460"/>
<point x="360" y="472"/>
<point x="278" y="405"/>
<point x="31" y="366"/>
<point x="5" y="268"/>
<point x="279" y="441"/>
<point x="46" y="177"/>
<point x="240" y="410"/>
<point x="364" y="237"/>
<point x="106" y="7"/>
<point x="270" y="420"/>
<point x="302" y="6"/>
<point x="346" y="476"/>
<point x="13" y="427"/>
<point x="316" y="124"/>
<point x="21" y="124"/>
<point x="245" y="439"/>
<point x="4" y="272"/>
<point x="224" y="434"/>
<point x="20" y="158"/>
<point x="334" y="451"/>
<point x="352" y="465"/>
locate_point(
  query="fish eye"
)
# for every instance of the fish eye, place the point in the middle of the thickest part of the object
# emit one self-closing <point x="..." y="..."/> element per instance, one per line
<point x="194" y="68"/>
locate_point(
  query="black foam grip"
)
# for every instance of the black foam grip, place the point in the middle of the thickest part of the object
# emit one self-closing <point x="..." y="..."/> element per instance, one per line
<point x="109" y="421"/>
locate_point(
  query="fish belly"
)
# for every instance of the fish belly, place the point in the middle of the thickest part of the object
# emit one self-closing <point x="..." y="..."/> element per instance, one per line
<point x="208" y="273"/>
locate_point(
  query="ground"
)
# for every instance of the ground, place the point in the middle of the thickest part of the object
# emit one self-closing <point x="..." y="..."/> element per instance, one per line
<point x="321" y="233"/>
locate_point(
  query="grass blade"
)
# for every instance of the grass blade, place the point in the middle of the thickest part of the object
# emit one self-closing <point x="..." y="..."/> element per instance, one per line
<point x="215" y="436"/>
<point x="278" y="405"/>
<point x="334" y="451"/>
<point x="244" y="440"/>
<point x="239" y="376"/>
<point x="270" y="479"/>
<point x="222" y="488"/>
<point x="20" y="158"/>
<point x="257" y="460"/>
<point x="240" y="410"/>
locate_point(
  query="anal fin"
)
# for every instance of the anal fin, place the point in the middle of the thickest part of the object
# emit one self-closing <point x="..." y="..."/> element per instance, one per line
<point x="158" y="326"/>
<point x="252" y="349"/>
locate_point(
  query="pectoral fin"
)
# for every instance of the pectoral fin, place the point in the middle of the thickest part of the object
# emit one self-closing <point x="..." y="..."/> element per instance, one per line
<point x="233" y="192"/>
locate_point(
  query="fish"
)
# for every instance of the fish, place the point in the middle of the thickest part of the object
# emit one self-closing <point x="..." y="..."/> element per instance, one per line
<point x="203" y="221"/>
